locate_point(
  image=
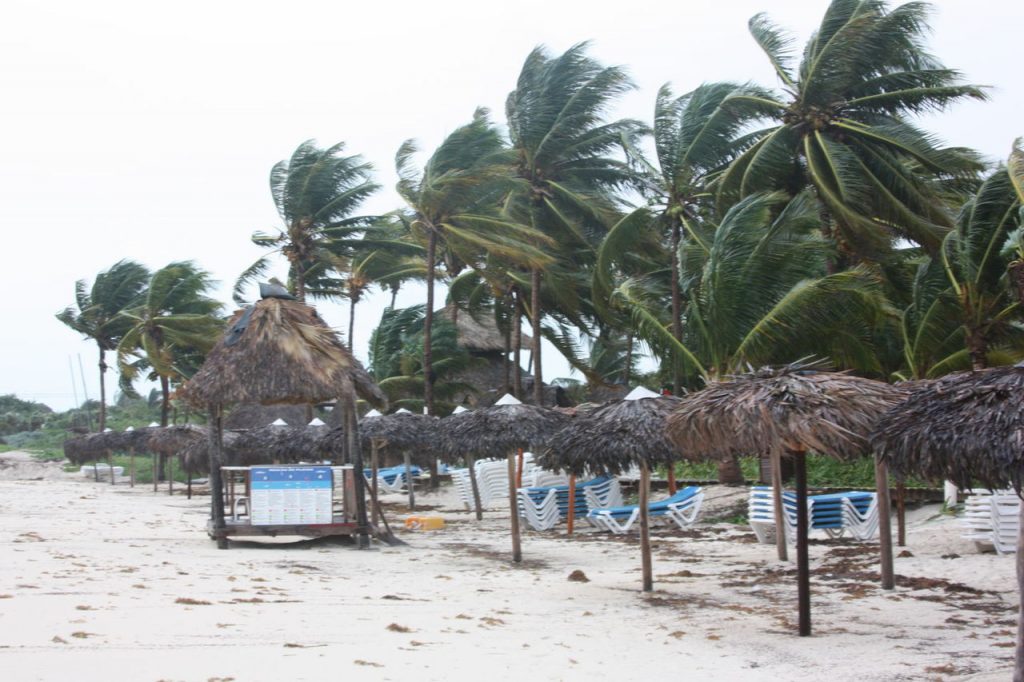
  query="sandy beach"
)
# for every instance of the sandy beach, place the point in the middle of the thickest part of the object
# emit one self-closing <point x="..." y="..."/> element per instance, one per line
<point x="103" y="582"/>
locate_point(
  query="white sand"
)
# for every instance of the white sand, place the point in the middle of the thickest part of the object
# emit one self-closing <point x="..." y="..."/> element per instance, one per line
<point x="91" y="575"/>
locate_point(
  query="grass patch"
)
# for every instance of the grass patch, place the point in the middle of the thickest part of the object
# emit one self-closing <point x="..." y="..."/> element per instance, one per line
<point x="822" y="472"/>
<point x="143" y="468"/>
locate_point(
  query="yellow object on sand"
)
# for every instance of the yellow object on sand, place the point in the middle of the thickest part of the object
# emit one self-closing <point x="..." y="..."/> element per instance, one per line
<point x="424" y="523"/>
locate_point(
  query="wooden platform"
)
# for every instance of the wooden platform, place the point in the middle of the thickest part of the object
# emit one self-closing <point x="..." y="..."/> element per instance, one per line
<point x="246" y="529"/>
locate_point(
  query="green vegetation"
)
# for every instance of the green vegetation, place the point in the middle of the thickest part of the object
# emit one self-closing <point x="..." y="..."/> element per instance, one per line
<point x="822" y="472"/>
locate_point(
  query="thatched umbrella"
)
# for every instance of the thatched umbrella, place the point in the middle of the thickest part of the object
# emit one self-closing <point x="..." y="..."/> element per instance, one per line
<point x="404" y="431"/>
<point x="279" y="351"/>
<point x="279" y="442"/>
<point x="788" y="411"/>
<point x="167" y="443"/>
<point x="967" y="428"/>
<point x="501" y="430"/>
<point x="612" y="439"/>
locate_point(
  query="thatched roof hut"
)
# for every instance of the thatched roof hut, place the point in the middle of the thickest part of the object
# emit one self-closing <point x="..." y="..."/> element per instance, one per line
<point x="614" y="437"/>
<point x="280" y="352"/>
<point x="780" y="411"/>
<point x="497" y="430"/>
<point x="966" y="428"/>
<point x="285" y="354"/>
<point x="480" y="336"/>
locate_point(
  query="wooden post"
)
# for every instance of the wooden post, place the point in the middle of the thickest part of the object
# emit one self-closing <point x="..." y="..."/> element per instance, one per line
<point x="884" y="525"/>
<point x="170" y="475"/>
<point x="803" y="571"/>
<point x="96" y="469"/>
<point x="780" y="520"/>
<point x="519" y="470"/>
<point x="471" y="463"/>
<point x="571" y="511"/>
<point x="407" y="459"/>
<point x="216" y="487"/>
<point x="374" y="467"/>
<point x="156" y="483"/>
<point x="1018" y="668"/>
<point x="513" y="503"/>
<point x="645" y="528"/>
<point x="901" y="514"/>
<point x="352" y="438"/>
<point x="131" y="467"/>
<point x="110" y="467"/>
<point x="672" y="478"/>
<point x="188" y="483"/>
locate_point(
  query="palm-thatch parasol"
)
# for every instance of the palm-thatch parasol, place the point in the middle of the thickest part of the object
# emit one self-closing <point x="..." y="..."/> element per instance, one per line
<point x="967" y="428"/>
<point x="787" y="411"/>
<point x="167" y="443"/>
<point x="279" y="351"/>
<point x="612" y="439"/>
<point x="279" y="443"/>
<point x="404" y="431"/>
<point x="501" y="430"/>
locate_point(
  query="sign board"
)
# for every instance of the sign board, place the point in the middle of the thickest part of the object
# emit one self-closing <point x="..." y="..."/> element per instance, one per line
<point x="291" y="495"/>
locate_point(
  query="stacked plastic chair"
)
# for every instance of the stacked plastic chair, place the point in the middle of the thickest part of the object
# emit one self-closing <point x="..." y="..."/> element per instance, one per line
<point x="682" y="508"/>
<point x="491" y="478"/>
<point x="543" y="507"/>
<point x="991" y="520"/>
<point x="854" y="512"/>
<point x="392" y="479"/>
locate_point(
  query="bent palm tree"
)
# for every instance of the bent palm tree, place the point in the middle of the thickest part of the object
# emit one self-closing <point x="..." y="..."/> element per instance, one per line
<point x="175" y="321"/>
<point x="454" y="202"/>
<point x="98" y="315"/>
<point x="316" y="193"/>
<point x="842" y="126"/>
<point x="562" y="147"/>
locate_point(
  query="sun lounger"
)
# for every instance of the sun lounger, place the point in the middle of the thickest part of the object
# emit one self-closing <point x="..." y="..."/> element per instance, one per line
<point x="854" y="512"/>
<point x="683" y="508"/>
<point x="991" y="520"/>
<point x="543" y="507"/>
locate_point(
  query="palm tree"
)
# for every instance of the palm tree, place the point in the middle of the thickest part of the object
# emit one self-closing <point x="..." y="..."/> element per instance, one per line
<point x="316" y="193"/>
<point x="97" y="313"/>
<point x="976" y="269"/>
<point x="695" y="136"/>
<point x="561" y="147"/>
<point x="453" y="201"/>
<point x="174" y="321"/>
<point x="842" y="127"/>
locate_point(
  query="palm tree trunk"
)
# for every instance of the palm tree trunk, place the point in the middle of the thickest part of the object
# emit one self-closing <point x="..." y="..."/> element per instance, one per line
<point x="538" y="379"/>
<point x="165" y="405"/>
<point x="628" y="373"/>
<point x="977" y="348"/>
<point x="353" y="300"/>
<point x="428" y="326"/>
<point x="677" y="322"/>
<point x="729" y="472"/>
<point x="517" y="333"/>
<point x="506" y="358"/>
<point x="300" y="283"/>
<point x="103" y="389"/>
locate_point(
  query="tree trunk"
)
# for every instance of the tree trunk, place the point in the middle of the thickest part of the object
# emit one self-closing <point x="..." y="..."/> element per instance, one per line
<point x="216" y="484"/>
<point x="977" y="348"/>
<point x="506" y="358"/>
<point x="353" y="300"/>
<point x="538" y="379"/>
<point x="103" y="389"/>
<point x="1018" y="668"/>
<point x="729" y="471"/>
<point x="300" y="282"/>
<point x="428" y="326"/>
<point x="778" y="506"/>
<point x="350" y="420"/>
<point x="394" y="295"/>
<point x="677" y="322"/>
<point x="517" y="334"/>
<point x="165" y="404"/>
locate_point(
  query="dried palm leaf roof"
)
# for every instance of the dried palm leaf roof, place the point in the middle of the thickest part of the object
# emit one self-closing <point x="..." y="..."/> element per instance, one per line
<point x="966" y="428"/>
<point x="613" y="438"/>
<point x="77" y="450"/>
<point x="769" y="410"/>
<point x="195" y="455"/>
<point x="286" y="355"/>
<point x="255" y="416"/>
<point x="498" y="430"/>
<point x="399" y="431"/>
<point x="472" y="334"/>
<point x="280" y="444"/>
<point x="170" y="440"/>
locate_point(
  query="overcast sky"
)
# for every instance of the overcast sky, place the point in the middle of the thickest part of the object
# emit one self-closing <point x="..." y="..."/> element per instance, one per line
<point x="147" y="131"/>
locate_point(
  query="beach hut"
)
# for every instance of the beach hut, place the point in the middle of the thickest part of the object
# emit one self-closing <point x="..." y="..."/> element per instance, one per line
<point x="967" y="428"/>
<point x="279" y="351"/>
<point x="504" y="429"/>
<point x="786" y="412"/>
<point x="611" y="439"/>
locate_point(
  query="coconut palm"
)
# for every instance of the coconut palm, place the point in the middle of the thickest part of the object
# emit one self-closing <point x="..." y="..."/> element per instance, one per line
<point x="562" y="155"/>
<point x="695" y="137"/>
<point x="453" y="201"/>
<point x="977" y="271"/>
<point x="316" y="192"/>
<point x="174" y="321"/>
<point x="97" y="313"/>
<point x="842" y="126"/>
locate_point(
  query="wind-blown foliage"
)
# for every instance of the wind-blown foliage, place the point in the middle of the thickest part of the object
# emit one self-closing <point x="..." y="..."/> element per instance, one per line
<point x="842" y="126"/>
